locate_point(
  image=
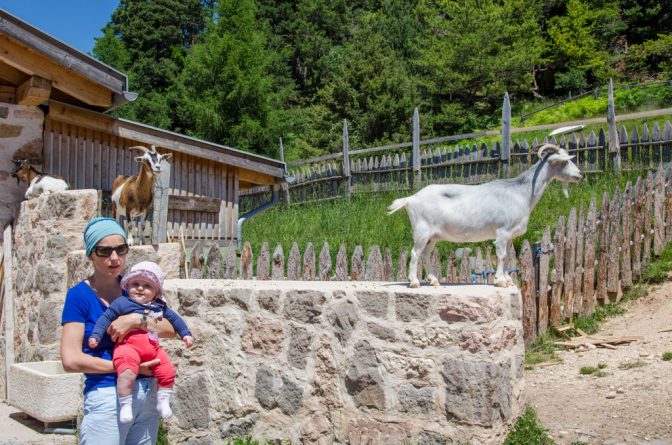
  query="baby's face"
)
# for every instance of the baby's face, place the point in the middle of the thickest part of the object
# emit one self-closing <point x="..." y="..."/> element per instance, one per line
<point x="142" y="291"/>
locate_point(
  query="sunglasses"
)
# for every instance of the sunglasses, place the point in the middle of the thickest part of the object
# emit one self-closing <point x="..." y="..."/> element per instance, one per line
<point x="106" y="251"/>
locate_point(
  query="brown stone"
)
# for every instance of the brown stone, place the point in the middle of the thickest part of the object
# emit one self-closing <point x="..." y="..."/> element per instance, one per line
<point x="10" y="131"/>
<point x="262" y="337"/>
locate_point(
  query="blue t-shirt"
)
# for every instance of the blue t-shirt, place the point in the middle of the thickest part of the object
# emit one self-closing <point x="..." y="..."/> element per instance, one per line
<point x="82" y="305"/>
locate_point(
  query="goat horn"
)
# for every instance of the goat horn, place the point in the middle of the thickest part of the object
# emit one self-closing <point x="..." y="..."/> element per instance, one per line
<point x="550" y="147"/>
<point x="139" y="147"/>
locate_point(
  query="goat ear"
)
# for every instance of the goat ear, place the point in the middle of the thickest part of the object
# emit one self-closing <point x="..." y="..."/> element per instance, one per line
<point x="139" y="158"/>
<point x="560" y="157"/>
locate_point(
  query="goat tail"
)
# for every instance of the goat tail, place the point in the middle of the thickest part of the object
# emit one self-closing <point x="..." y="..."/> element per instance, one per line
<point x="396" y="205"/>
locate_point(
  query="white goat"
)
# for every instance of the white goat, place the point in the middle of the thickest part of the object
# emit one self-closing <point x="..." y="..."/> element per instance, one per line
<point x="497" y="210"/>
<point x="133" y="195"/>
<point x="39" y="182"/>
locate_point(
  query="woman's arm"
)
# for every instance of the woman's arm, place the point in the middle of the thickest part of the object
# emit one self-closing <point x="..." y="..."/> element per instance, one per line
<point x="72" y="356"/>
<point x="124" y="324"/>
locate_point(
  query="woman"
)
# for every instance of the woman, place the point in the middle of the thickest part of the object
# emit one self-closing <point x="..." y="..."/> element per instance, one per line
<point x="85" y="302"/>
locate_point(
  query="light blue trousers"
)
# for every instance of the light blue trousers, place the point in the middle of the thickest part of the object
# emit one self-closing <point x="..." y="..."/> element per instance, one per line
<point x="101" y="425"/>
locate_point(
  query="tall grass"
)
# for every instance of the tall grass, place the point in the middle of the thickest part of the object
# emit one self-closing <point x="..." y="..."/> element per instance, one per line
<point x="363" y="220"/>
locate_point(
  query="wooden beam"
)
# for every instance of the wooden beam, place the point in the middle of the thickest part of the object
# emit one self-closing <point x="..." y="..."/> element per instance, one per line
<point x="11" y="74"/>
<point x="34" y="64"/>
<point x="33" y="91"/>
<point x="7" y="94"/>
<point x="255" y="177"/>
<point x="194" y="203"/>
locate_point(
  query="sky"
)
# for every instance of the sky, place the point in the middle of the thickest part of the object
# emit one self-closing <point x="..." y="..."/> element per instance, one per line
<point x="73" y="22"/>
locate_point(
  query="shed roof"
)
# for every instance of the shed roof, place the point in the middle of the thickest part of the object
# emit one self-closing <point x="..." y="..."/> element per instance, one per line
<point x="38" y="68"/>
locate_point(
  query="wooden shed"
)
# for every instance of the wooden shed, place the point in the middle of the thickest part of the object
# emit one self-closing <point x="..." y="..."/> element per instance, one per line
<point x="53" y="101"/>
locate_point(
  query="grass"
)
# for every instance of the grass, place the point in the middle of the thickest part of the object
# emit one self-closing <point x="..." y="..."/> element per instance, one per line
<point x="363" y="220"/>
<point x="632" y="365"/>
<point x="528" y="431"/>
<point x="596" y="371"/>
<point x="667" y="356"/>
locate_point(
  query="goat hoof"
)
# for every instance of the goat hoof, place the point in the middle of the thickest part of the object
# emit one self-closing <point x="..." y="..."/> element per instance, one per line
<point x="435" y="284"/>
<point x="500" y="283"/>
<point x="414" y="285"/>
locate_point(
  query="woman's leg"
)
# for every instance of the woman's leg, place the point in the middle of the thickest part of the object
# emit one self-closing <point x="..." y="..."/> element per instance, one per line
<point x="145" y="427"/>
<point x="100" y="425"/>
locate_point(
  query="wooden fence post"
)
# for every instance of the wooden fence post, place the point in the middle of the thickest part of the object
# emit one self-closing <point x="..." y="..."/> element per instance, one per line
<point x="613" y="275"/>
<point x="648" y="203"/>
<point x="324" y="268"/>
<point x="197" y="261"/>
<point x="347" y="174"/>
<point x="417" y="178"/>
<point x="637" y="235"/>
<point x="659" y="212"/>
<point x="588" y="305"/>
<point x="529" y="294"/>
<point x="160" y="204"/>
<point x="544" y="263"/>
<point x="342" y="264"/>
<point x="570" y="262"/>
<point x="626" y="261"/>
<point x="603" y="261"/>
<point x="614" y="144"/>
<point x="506" y="135"/>
<point x="278" y="264"/>
<point x="578" y="269"/>
<point x="214" y="261"/>
<point x="264" y="263"/>
<point x="246" y="260"/>
<point x="284" y="188"/>
<point x="555" y="316"/>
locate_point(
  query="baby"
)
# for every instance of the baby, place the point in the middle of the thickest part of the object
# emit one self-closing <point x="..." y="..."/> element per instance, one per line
<point x="144" y="285"/>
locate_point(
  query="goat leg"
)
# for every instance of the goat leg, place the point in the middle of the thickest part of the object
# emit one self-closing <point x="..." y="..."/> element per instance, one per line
<point x="417" y="250"/>
<point x="427" y="260"/>
<point x="502" y="278"/>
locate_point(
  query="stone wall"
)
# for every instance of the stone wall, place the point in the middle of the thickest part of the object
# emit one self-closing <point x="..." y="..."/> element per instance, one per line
<point x="308" y="362"/>
<point x="20" y="138"/>
<point x="48" y="259"/>
<point x="357" y="363"/>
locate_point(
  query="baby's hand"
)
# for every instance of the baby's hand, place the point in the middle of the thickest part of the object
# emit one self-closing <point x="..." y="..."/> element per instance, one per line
<point x="188" y="340"/>
<point x="93" y="343"/>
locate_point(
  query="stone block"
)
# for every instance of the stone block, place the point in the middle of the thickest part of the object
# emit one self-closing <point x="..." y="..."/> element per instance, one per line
<point x="263" y="337"/>
<point x="299" y="346"/>
<point x="374" y="303"/>
<point x="45" y="391"/>
<point x="304" y="305"/>
<point x="191" y="402"/>
<point x="343" y="319"/>
<point x="411" y="306"/>
<point x="269" y="300"/>
<point x="478" y="393"/>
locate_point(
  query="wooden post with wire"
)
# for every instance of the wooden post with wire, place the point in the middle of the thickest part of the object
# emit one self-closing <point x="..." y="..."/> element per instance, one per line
<point x="184" y="251"/>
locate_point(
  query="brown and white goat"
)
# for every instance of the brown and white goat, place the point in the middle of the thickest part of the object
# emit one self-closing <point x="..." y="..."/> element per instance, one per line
<point x="133" y="195"/>
<point x="38" y="182"/>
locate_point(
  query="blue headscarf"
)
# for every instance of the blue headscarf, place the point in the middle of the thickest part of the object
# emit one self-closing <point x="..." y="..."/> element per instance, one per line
<point x="99" y="228"/>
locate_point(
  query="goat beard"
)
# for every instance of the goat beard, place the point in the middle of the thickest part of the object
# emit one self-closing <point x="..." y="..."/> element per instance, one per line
<point x="565" y="190"/>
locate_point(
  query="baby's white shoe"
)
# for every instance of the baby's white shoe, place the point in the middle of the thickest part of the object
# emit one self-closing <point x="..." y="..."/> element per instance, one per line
<point x="126" y="410"/>
<point x="163" y="405"/>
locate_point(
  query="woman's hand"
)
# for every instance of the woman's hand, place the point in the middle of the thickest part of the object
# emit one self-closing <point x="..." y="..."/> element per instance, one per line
<point x="146" y="367"/>
<point x="188" y="340"/>
<point x="93" y="343"/>
<point x="122" y="325"/>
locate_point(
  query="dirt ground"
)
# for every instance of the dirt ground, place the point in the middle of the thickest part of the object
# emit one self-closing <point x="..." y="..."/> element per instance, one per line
<point x="632" y="404"/>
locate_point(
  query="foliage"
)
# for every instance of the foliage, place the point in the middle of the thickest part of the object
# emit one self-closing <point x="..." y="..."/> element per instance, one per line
<point x="247" y="76"/>
<point x="667" y="356"/>
<point x="541" y="351"/>
<point x="592" y="370"/>
<point x="229" y="93"/>
<point x="582" y="38"/>
<point x="658" y="270"/>
<point x="528" y="431"/>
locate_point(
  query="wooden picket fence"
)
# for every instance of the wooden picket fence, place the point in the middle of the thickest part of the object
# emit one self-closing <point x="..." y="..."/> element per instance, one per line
<point x="590" y="258"/>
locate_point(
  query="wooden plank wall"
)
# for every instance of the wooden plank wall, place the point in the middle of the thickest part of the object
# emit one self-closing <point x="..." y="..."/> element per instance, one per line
<point x="590" y="258"/>
<point x="203" y="201"/>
